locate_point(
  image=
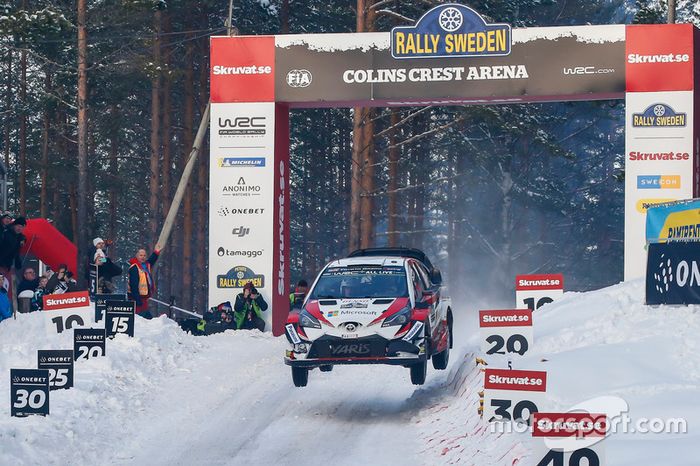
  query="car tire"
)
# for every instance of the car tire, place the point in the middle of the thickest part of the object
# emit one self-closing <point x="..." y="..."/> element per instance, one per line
<point x="441" y="359"/>
<point x="418" y="372"/>
<point x="326" y="368"/>
<point x="300" y="376"/>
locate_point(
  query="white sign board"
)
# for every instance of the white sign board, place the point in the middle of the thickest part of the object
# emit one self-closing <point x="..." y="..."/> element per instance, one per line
<point x="569" y="439"/>
<point x="241" y="200"/>
<point x="534" y="291"/>
<point x="658" y="163"/>
<point x="513" y="395"/>
<point x="506" y="332"/>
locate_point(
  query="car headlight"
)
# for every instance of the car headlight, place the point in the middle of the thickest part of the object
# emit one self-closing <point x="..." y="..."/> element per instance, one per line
<point x="307" y="320"/>
<point x="400" y="318"/>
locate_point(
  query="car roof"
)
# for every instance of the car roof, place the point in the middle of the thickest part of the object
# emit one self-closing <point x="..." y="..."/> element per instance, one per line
<point x="394" y="252"/>
<point x="374" y="260"/>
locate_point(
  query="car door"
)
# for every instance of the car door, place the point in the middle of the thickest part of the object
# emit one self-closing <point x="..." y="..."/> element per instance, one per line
<point x="423" y="284"/>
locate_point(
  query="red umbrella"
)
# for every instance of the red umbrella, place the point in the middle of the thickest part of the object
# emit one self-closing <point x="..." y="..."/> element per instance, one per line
<point x="49" y="245"/>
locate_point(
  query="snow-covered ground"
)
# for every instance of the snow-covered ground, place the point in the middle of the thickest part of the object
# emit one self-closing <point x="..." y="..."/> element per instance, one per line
<point x="165" y="397"/>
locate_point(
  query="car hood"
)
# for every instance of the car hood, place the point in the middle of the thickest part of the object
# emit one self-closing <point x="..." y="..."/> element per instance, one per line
<point x="362" y="311"/>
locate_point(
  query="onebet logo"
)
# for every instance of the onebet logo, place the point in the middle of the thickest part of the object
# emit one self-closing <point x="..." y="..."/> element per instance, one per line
<point x="219" y="70"/>
<point x="635" y="58"/>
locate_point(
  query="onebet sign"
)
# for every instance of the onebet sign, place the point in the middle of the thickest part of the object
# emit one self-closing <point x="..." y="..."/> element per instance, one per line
<point x="53" y="302"/>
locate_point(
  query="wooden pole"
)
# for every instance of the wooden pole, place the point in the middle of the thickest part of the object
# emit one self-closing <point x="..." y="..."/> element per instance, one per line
<point x="184" y="180"/>
<point x="671" y="11"/>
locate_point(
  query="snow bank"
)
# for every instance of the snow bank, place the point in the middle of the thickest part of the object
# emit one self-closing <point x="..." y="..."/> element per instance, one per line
<point x="93" y="417"/>
<point x="607" y="342"/>
<point x="166" y="397"/>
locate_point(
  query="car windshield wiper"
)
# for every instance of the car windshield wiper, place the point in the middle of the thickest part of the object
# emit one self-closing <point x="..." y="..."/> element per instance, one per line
<point x="325" y="297"/>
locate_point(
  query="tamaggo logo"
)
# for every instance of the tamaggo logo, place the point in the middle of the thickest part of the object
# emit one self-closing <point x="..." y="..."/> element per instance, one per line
<point x="227" y="162"/>
<point x="242" y="126"/>
<point x="221" y="252"/>
<point x="659" y="116"/>
<point x="658" y="182"/>
<point x="451" y="30"/>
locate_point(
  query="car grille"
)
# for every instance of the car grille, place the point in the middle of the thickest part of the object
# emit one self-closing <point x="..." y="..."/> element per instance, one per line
<point x="334" y="347"/>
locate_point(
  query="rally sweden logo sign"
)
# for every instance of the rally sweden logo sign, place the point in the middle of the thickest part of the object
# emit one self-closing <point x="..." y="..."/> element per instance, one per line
<point x="451" y="30"/>
<point x="659" y="116"/>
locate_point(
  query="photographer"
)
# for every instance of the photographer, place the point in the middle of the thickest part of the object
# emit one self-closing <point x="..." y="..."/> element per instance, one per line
<point x="58" y="283"/>
<point x="249" y="308"/>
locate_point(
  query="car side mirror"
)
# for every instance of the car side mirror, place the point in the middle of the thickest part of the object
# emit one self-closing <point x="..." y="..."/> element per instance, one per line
<point x="436" y="276"/>
<point x="422" y="305"/>
<point x="429" y="298"/>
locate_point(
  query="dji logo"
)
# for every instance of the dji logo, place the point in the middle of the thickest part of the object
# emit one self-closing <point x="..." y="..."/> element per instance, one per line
<point x="240" y="231"/>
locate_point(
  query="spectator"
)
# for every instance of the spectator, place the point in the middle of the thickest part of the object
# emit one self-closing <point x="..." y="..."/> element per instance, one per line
<point x="141" y="286"/>
<point x="40" y="292"/>
<point x="10" y="244"/>
<point x="29" y="281"/>
<point x="5" y="221"/>
<point x="296" y="299"/>
<point x="71" y="282"/>
<point x="106" y="269"/>
<point x="5" y="306"/>
<point x="216" y="320"/>
<point x="58" y="283"/>
<point x="99" y="257"/>
<point x="249" y="308"/>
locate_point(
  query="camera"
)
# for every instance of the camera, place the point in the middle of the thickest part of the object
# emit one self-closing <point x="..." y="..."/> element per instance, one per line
<point x="254" y="290"/>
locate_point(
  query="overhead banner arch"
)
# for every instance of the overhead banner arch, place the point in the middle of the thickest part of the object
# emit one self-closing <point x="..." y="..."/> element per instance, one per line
<point x="451" y="56"/>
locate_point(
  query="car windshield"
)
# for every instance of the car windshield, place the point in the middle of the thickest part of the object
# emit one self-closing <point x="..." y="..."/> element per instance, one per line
<point x="361" y="282"/>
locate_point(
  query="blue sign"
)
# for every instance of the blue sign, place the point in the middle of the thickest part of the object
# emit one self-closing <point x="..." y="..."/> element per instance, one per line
<point x="658" y="181"/>
<point x="659" y="116"/>
<point x="451" y="30"/>
<point x="242" y="162"/>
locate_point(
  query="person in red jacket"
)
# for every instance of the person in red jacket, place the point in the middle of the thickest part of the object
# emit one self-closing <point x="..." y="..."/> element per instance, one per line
<point x="141" y="286"/>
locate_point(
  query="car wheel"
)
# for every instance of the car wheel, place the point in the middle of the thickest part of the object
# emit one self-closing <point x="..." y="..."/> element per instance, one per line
<point x="441" y="359"/>
<point x="418" y="372"/>
<point x="300" y="376"/>
<point x="326" y="368"/>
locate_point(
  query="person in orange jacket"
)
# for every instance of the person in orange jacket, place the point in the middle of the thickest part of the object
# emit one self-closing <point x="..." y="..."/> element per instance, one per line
<point x="141" y="285"/>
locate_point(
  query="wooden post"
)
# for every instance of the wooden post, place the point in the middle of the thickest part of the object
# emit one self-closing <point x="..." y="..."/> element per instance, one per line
<point x="184" y="180"/>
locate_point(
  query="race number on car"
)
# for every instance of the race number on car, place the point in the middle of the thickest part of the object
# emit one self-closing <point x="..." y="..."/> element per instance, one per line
<point x="506" y="331"/>
<point x="534" y="291"/>
<point x="513" y="395"/>
<point x="59" y="363"/>
<point x="29" y="392"/>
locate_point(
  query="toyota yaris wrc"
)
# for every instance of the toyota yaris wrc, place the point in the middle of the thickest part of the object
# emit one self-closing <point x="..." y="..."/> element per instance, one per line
<point x="378" y="306"/>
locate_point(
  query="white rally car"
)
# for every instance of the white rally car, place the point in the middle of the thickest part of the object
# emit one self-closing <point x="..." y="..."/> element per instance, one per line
<point x="377" y="306"/>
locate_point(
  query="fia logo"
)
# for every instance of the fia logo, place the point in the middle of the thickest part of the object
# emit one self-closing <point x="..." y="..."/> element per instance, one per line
<point x="299" y="78"/>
